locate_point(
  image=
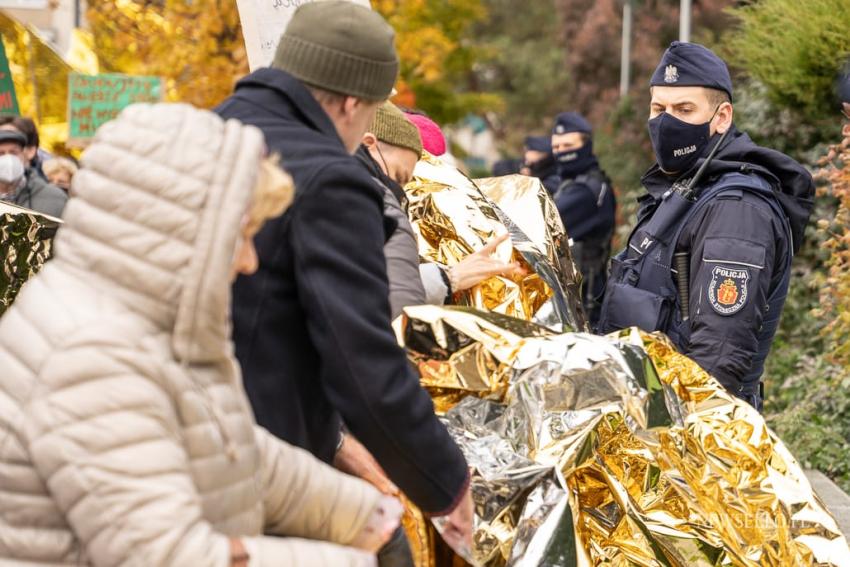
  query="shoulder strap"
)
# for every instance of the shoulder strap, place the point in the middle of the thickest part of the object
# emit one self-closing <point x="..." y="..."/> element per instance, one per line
<point x="596" y="181"/>
<point x="753" y="184"/>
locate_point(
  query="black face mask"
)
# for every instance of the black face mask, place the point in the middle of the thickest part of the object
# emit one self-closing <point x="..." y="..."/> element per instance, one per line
<point x="542" y="168"/>
<point x="678" y="144"/>
<point x="575" y="162"/>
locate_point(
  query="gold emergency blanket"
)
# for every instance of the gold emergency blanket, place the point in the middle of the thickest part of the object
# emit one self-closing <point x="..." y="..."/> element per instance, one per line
<point x="41" y="80"/>
<point x="26" y="243"/>
<point x="452" y="217"/>
<point x="614" y="450"/>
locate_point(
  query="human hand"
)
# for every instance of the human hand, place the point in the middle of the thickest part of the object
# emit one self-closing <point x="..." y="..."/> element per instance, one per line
<point x="456" y="527"/>
<point x="481" y="265"/>
<point x="355" y="459"/>
<point x="379" y="528"/>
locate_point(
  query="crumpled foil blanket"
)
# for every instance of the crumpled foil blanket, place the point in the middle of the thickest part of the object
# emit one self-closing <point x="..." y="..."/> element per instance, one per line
<point x="453" y="216"/>
<point x="26" y="243"/>
<point x="613" y="450"/>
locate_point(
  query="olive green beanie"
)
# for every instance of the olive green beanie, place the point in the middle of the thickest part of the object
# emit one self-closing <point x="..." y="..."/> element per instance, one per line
<point x="340" y="47"/>
<point x="392" y="127"/>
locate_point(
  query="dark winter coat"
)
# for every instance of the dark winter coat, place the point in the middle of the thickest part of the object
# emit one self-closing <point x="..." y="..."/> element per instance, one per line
<point x="312" y="327"/>
<point x="741" y="232"/>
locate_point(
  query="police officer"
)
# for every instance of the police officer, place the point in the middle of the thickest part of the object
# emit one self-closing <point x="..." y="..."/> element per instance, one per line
<point x="586" y="203"/>
<point x="709" y="260"/>
<point x="540" y="163"/>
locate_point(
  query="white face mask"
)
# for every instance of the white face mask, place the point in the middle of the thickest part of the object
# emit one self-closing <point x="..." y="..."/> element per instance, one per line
<point x="11" y="169"/>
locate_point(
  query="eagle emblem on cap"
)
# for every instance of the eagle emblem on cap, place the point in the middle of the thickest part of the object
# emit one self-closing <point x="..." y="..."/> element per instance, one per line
<point x="671" y="74"/>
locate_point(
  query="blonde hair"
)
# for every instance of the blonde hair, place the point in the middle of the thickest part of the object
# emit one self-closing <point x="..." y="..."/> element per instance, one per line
<point x="57" y="164"/>
<point x="273" y="194"/>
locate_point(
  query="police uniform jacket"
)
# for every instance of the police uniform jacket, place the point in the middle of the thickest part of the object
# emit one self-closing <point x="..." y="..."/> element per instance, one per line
<point x="738" y="249"/>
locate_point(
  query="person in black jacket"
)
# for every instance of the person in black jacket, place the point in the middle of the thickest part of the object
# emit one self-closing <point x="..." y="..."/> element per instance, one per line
<point x="312" y="327"/>
<point x="709" y="261"/>
<point x="540" y="163"/>
<point x="586" y="203"/>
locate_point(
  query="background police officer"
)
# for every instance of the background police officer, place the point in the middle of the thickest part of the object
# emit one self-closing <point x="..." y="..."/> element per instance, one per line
<point x="586" y="203"/>
<point x="709" y="260"/>
<point x="539" y="162"/>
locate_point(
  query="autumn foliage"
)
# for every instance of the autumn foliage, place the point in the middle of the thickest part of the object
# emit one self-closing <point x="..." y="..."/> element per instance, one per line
<point x="196" y="46"/>
<point x="835" y="294"/>
<point x="437" y="55"/>
<point x="591" y="35"/>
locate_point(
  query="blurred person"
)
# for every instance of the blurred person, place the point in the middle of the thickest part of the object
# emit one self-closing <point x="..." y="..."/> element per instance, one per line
<point x="391" y="148"/>
<point x="60" y="171"/>
<point x="508" y="166"/>
<point x="433" y="140"/>
<point x="126" y="436"/>
<point x="586" y="203"/>
<point x="539" y="162"/>
<point x="33" y="152"/>
<point x="312" y="327"/>
<point x="709" y="262"/>
<point x="20" y="187"/>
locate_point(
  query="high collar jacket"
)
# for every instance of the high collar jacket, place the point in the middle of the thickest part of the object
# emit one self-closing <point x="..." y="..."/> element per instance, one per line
<point x="312" y="327"/>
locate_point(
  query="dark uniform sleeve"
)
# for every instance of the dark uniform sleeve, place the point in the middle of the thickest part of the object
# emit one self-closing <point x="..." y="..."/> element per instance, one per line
<point x="341" y="277"/>
<point x="578" y="210"/>
<point x="734" y="251"/>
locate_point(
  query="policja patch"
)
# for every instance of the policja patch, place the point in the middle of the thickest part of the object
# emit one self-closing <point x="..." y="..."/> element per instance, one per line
<point x="727" y="292"/>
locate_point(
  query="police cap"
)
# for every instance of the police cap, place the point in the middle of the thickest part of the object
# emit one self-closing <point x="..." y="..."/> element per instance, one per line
<point x="692" y="65"/>
<point x="567" y="122"/>
<point x="538" y="144"/>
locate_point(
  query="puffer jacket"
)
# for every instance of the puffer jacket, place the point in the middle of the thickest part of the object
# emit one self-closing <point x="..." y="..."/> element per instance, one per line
<point x="126" y="437"/>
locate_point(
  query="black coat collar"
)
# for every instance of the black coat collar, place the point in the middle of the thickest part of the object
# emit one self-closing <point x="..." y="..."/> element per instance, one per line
<point x="300" y="100"/>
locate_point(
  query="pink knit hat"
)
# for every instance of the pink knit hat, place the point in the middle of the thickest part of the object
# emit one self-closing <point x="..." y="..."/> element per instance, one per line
<point x="432" y="137"/>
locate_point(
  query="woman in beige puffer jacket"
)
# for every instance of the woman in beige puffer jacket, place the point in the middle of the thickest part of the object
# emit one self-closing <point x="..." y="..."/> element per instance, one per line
<point x="125" y="435"/>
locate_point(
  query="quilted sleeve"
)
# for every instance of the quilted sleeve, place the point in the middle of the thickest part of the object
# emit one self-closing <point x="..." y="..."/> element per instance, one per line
<point x="104" y="435"/>
<point x="307" y="498"/>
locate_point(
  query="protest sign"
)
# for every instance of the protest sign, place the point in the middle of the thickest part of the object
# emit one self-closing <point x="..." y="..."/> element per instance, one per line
<point x="96" y="99"/>
<point x="8" y="100"/>
<point x="263" y="21"/>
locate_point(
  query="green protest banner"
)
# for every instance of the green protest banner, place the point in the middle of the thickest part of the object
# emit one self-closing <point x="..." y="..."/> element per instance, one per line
<point x="96" y="99"/>
<point x="8" y="100"/>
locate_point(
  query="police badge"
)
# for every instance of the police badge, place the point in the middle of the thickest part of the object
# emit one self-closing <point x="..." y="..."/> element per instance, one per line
<point x="727" y="291"/>
<point x="671" y="74"/>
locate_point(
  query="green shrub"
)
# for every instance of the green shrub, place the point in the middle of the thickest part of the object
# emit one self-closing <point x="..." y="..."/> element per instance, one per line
<point x="794" y="48"/>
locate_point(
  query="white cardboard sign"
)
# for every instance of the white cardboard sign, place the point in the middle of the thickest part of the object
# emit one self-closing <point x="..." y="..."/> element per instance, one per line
<point x="263" y="22"/>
